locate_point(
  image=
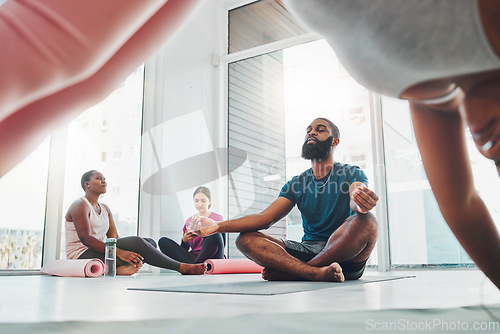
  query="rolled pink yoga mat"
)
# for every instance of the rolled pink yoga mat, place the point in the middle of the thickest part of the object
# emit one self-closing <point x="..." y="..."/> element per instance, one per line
<point x="74" y="268"/>
<point x="232" y="266"/>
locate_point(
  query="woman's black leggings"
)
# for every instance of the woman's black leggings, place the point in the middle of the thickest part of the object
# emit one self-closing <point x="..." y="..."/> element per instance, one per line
<point x="212" y="248"/>
<point x="146" y="247"/>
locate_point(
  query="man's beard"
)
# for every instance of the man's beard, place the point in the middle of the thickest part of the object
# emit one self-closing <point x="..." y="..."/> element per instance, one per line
<point x="319" y="151"/>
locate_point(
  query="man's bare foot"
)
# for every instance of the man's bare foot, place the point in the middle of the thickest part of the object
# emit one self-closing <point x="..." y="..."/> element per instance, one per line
<point x="193" y="269"/>
<point x="331" y="273"/>
<point x="128" y="270"/>
<point x="274" y="275"/>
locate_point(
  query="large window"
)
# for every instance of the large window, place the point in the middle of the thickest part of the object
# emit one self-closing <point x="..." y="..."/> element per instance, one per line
<point x="289" y="78"/>
<point x="418" y="232"/>
<point x="256" y="137"/>
<point x="23" y="196"/>
<point x="271" y="100"/>
<point x="107" y="138"/>
<point x="256" y="111"/>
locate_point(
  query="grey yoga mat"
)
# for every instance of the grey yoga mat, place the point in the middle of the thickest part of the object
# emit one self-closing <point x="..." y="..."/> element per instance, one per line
<point x="261" y="287"/>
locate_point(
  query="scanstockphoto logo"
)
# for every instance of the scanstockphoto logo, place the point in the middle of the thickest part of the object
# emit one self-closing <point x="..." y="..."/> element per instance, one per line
<point x="316" y="188"/>
<point x="267" y="173"/>
<point x="437" y="325"/>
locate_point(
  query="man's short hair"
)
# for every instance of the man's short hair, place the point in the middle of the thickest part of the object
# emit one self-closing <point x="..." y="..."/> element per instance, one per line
<point x="333" y="127"/>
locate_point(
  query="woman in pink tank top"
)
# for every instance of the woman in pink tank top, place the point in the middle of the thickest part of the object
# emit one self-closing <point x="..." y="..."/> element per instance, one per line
<point x="193" y="248"/>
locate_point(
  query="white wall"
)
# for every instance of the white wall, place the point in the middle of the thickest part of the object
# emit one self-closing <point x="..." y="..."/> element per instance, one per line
<point x="184" y="136"/>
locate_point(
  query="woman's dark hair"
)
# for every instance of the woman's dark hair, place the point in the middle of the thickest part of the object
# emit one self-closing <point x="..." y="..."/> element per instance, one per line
<point x="205" y="191"/>
<point x="86" y="177"/>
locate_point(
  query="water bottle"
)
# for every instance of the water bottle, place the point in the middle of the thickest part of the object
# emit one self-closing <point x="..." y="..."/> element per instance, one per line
<point x="110" y="258"/>
<point x="192" y="224"/>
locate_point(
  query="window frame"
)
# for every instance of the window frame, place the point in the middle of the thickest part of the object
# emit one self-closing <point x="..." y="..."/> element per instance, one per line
<point x="383" y="251"/>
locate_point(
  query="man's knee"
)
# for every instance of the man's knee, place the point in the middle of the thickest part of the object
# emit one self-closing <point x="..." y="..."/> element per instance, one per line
<point x="367" y="222"/>
<point x="366" y="218"/>
<point x="245" y="240"/>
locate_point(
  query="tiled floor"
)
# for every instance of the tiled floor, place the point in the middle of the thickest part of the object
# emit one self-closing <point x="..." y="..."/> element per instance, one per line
<point x="33" y="299"/>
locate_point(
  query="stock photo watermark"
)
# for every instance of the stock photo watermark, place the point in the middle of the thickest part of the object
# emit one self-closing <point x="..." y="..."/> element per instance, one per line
<point x="431" y="325"/>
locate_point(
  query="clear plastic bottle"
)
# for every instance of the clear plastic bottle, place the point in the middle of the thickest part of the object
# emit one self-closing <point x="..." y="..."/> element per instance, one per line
<point x="110" y="258"/>
<point x="192" y="224"/>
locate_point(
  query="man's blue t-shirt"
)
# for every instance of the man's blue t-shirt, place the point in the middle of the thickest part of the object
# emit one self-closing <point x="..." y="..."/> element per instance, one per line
<point x="324" y="203"/>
